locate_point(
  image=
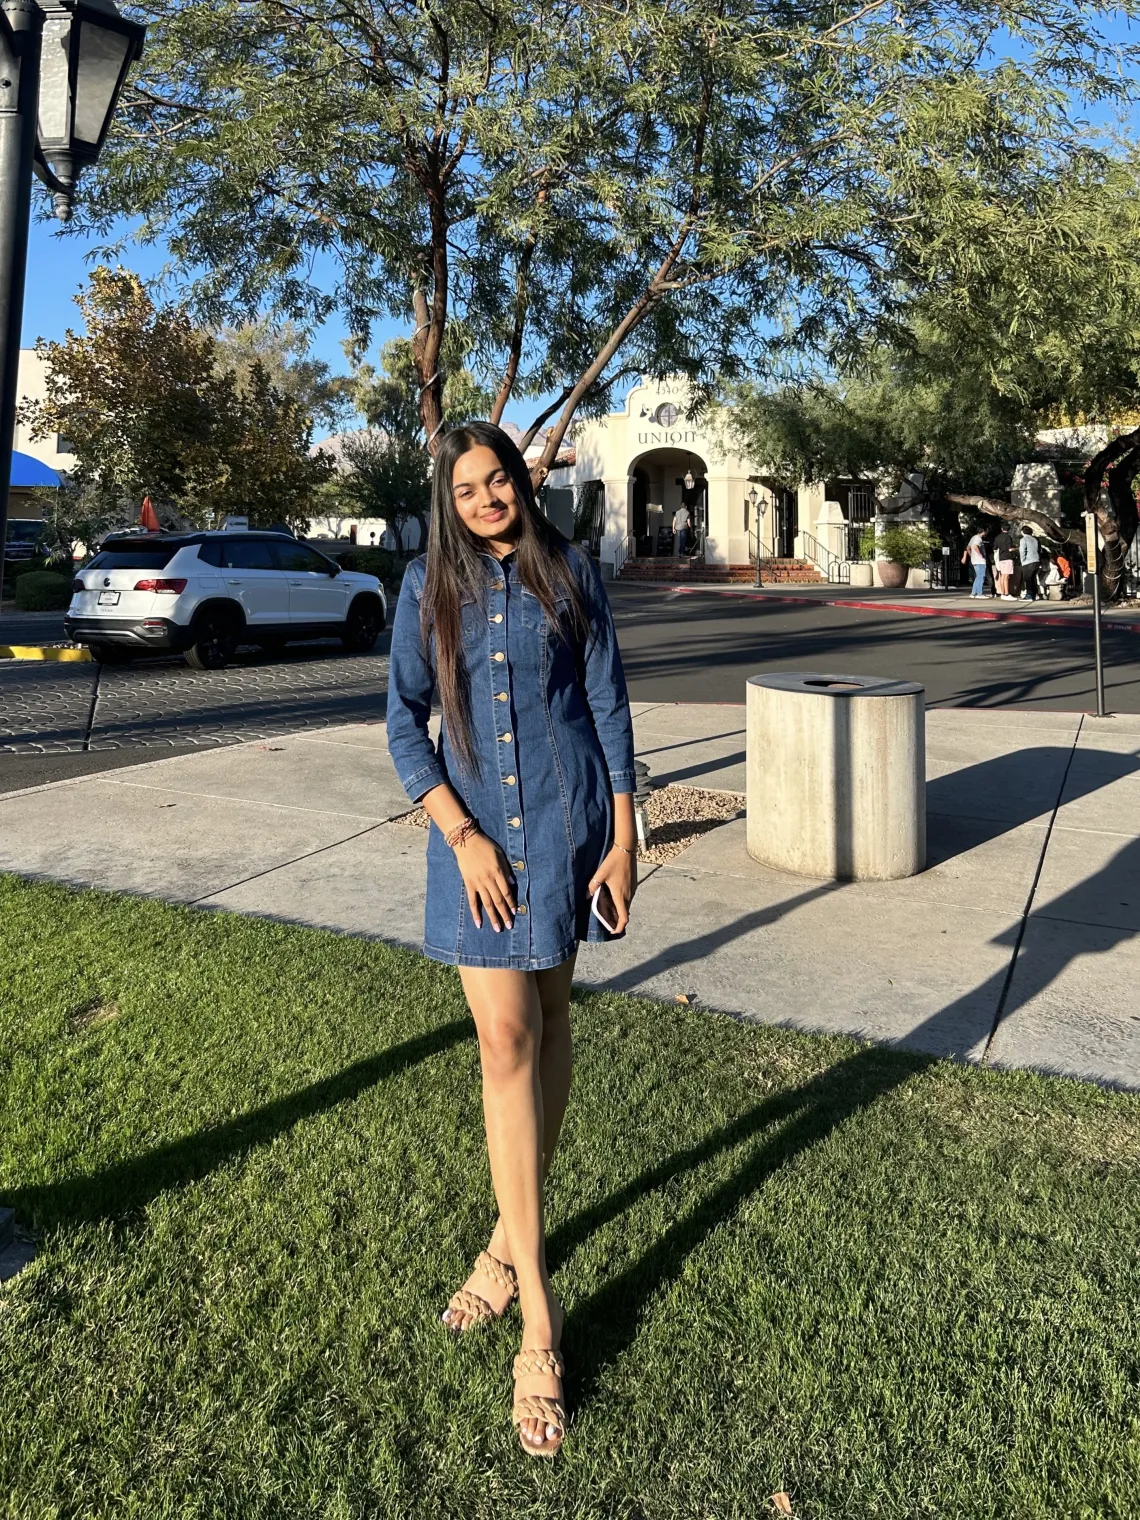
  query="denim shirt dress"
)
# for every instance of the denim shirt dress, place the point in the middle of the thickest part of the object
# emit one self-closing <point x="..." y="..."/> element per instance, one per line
<point x="552" y="733"/>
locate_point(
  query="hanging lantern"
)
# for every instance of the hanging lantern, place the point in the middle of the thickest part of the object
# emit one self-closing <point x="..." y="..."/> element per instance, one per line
<point x="87" y="49"/>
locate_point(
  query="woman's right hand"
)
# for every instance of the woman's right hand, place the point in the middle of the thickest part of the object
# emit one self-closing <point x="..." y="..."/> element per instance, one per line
<point x="487" y="878"/>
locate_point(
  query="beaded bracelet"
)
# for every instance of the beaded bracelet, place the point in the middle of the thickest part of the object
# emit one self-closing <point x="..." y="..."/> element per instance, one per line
<point x="460" y="834"/>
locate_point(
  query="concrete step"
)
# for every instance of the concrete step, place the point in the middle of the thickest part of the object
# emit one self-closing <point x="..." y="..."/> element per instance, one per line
<point x="772" y="571"/>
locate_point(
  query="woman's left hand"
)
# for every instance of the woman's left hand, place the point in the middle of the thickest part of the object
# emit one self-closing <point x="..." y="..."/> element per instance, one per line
<point x="618" y="872"/>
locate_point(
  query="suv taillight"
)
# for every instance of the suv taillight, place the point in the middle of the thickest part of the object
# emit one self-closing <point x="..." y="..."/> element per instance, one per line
<point x="77" y="585"/>
<point x="175" y="588"/>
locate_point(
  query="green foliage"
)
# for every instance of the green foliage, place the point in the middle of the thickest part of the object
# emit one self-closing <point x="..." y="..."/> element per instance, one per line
<point x="79" y="513"/>
<point x="43" y="591"/>
<point x="386" y="478"/>
<point x="1042" y="329"/>
<point x="572" y="194"/>
<point x="382" y="563"/>
<point x="282" y="351"/>
<point x="867" y="542"/>
<point x="909" y="544"/>
<point x="152" y="408"/>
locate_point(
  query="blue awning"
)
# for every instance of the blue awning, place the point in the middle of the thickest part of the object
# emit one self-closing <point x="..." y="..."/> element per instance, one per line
<point x="28" y="472"/>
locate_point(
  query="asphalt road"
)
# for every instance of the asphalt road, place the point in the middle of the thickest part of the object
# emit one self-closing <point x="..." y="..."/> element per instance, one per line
<point x="58" y="721"/>
<point x="701" y="646"/>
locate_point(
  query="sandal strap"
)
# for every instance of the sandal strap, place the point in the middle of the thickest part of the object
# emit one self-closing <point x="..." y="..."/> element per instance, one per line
<point x="466" y="1302"/>
<point x="535" y="1363"/>
<point x="535" y="1406"/>
<point x="498" y="1271"/>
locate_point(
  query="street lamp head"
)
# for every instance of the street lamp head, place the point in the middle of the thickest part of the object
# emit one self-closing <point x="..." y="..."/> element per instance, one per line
<point x="87" y="49"/>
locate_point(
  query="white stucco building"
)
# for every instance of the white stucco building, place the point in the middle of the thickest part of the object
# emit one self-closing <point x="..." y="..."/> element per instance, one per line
<point x="55" y="451"/>
<point x="642" y="456"/>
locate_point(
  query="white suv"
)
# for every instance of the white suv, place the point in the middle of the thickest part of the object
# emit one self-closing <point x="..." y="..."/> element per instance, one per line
<point x="203" y="594"/>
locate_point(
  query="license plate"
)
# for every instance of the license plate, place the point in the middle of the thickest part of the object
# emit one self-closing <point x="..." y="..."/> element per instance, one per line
<point x="108" y="598"/>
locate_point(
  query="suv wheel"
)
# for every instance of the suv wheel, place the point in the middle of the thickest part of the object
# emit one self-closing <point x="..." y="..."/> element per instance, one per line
<point x="111" y="654"/>
<point x="215" y="639"/>
<point x="362" y="629"/>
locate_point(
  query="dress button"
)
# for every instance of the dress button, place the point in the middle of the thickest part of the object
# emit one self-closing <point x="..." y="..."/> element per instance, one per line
<point x="510" y="781"/>
<point x="520" y="865"/>
<point x="498" y="618"/>
<point x="521" y="908"/>
<point x="516" y="823"/>
<point x="501" y="696"/>
<point x="500" y="656"/>
<point x="505" y="738"/>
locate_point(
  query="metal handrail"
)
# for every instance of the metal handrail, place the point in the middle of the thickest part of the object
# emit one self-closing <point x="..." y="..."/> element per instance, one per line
<point x="838" y="571"/>
<point x="625" y="551"/>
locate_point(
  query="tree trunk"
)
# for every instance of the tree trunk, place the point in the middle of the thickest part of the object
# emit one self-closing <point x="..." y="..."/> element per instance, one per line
<point x="1042" y="521"/>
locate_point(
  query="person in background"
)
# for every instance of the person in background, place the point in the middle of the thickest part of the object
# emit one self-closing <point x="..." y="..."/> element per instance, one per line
<point x="1003" y="563"/>
<point x="1029" y="552"/>
<point x="681" y="522"/>
<point x="975" y="552"/>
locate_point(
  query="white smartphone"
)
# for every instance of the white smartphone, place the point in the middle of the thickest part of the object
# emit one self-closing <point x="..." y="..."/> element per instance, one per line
<point x="603" y="905"/>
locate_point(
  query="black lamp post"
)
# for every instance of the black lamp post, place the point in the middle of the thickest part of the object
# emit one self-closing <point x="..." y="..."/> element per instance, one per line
<point x="758" y="509"/>
<point x="62" y="66"/>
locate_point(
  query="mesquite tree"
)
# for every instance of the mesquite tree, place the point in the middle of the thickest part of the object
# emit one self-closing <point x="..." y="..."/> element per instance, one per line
<point x="569" y="193"/>
<point x="1049" y="336"/>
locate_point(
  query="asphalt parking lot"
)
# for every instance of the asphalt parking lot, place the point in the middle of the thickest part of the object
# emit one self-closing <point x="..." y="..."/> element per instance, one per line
<point x="60" y="720"/>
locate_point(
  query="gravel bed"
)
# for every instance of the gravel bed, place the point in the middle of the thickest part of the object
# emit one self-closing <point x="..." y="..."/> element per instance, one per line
<point x="677" y="816"/>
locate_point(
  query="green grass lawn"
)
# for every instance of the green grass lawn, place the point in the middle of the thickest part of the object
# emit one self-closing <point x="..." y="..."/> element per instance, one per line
<point x="253" y="1158"/>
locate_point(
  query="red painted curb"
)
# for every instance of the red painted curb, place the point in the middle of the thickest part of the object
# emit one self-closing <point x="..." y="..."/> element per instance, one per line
<point x="1040" y="620"/>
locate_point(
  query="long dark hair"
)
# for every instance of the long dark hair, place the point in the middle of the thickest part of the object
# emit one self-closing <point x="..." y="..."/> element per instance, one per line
<point x="458" y="573"/>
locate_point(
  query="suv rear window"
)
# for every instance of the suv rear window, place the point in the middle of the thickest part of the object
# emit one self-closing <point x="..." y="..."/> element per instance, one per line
<point x="134" y="557"/>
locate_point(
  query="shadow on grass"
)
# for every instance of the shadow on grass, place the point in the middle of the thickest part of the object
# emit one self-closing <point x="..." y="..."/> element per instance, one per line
<point x="606" y="1324"/>
<point x="123" y="1189"/>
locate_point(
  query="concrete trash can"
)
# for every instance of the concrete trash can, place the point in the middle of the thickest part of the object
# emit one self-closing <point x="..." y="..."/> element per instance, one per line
<point x="837" y="775"/>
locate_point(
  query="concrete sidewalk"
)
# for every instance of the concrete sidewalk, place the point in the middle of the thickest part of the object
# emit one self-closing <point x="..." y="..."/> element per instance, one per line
<point x="1020" y="944"/>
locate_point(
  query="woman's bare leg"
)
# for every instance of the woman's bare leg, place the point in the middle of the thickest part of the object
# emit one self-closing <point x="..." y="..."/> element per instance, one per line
<point x="555" y="1068"/>
<point x="508" y="1014"/>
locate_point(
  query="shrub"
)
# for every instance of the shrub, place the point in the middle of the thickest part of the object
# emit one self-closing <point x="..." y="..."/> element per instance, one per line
<point x="387" y="566"/>
<point x="43" y="591"/>
<point x="909" y="544"/>
<point x="867" y="547"/>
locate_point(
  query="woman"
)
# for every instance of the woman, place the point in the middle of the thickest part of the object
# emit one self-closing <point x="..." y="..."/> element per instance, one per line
<point x="529" y="793"/>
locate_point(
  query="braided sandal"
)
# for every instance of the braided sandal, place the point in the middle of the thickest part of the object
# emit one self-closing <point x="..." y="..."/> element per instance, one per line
<point x="538" y="1406"/>
<point x="466" y="1302"/>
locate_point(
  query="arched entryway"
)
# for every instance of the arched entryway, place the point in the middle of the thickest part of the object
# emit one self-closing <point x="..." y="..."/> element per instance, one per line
<point x="658" y="489"/>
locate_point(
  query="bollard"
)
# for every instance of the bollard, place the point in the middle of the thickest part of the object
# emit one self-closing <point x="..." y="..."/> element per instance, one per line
<point x="836" y="775"/>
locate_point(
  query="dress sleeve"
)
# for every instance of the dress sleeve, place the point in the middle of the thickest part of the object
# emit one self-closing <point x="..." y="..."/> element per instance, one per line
<point x="606" y="693"/>
<point x="411" y="682"/>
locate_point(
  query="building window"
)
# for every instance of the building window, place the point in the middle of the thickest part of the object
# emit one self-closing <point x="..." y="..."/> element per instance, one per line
<point x="63" y="445"/>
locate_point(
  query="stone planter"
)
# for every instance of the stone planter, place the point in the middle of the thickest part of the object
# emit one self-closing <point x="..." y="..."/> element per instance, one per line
<point x="862" y="574"/>
<point x="891" y="576"/>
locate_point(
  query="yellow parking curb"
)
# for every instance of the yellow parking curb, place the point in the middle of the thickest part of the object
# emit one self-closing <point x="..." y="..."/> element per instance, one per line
<point x="41" y="652"/>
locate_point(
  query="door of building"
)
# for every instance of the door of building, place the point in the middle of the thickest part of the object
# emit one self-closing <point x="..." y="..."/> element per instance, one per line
<point x="786" y="505"/>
